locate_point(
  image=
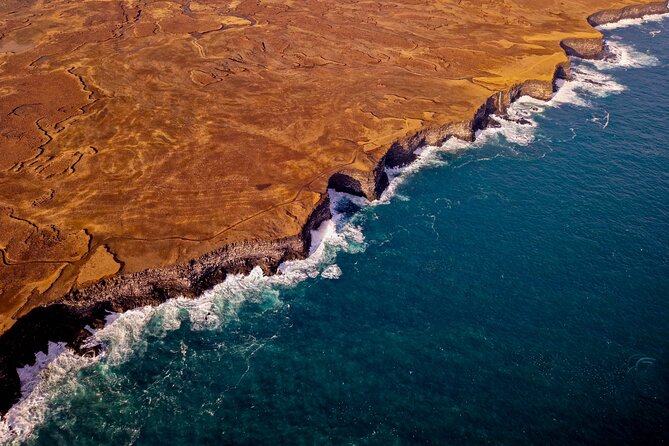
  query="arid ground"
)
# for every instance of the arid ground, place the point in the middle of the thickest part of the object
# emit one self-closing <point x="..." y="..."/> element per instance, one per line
<point x="141" y="134"/>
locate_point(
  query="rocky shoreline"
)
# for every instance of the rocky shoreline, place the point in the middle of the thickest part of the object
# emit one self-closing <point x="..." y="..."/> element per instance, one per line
<point x="63" y="320"/>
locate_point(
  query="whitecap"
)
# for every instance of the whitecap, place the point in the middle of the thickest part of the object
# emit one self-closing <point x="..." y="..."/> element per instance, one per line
<point x="632" y="22"/>
<point x="332" y="272"/>
<point x="125" y="334"/>
<point x="53" y="372"/>
<point x="623" y="55"/>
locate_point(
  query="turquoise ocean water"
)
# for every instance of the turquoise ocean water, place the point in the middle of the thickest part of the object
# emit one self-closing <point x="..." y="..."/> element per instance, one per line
<point x="514" y="291"/>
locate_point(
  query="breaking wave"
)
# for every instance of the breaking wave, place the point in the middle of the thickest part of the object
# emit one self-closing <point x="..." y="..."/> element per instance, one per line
<point x="633" y="22"/>
<point x="590" y="80"/>
<point x="55" y="371"/>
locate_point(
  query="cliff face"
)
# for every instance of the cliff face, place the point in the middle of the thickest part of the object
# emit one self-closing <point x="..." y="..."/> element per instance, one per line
<point x="163" y="150"/>
<point x="628" y="12"/>
<point x="591" y="48"/>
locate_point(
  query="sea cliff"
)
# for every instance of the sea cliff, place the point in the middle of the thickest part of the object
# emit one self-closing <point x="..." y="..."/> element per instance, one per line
<point x="63" y="318"/>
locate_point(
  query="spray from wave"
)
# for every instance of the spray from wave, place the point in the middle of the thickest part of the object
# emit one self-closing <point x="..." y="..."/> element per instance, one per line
<point x="55" y="372"/>
<point x="591" y="80"/>
<point x="625" y="23"/>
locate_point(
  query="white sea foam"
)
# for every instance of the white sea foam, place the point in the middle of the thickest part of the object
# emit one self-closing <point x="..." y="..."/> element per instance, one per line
<point x="126" y="334"/>
<point x="519" y="126"/>
<point x="332" y="272"/>
<point x="129" y="333"/>
<point x="633" y="22"/>
<point x="52" y="370"/>
<point x="624" y="55"/>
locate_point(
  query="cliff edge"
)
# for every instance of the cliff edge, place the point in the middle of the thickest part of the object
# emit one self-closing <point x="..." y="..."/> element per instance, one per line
<point x="152" y="148"/>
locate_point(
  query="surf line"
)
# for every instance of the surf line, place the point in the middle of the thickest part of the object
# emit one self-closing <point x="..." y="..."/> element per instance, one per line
<point x="41" y="381"/>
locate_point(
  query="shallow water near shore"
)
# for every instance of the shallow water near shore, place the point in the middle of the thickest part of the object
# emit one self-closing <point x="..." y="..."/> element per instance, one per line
<point x="511" y="291"/>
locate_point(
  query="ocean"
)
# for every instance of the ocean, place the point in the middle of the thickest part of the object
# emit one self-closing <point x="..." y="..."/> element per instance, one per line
<point x="510" y="291"/>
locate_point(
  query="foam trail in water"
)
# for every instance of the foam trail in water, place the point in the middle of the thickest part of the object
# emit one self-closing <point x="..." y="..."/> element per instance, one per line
<point x="633" y="22"/>
<point x="126" y="334"/>
<point x="51" y="370"/>
<point x="332" y="272"/>
<point x="518" y="127"/>
<point x="622" y="55"/>
<point x="591" y="80"/>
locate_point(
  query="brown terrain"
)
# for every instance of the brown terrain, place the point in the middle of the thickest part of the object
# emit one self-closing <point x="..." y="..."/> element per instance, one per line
<point x="149" y="148"/>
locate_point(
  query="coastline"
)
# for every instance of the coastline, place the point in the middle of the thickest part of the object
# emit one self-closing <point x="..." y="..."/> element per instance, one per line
<point x="63" y="320"/>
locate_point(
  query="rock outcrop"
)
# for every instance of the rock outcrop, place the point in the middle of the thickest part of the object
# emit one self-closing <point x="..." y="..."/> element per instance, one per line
<point x="628" y="12"/>
<point x="123" y="185"/>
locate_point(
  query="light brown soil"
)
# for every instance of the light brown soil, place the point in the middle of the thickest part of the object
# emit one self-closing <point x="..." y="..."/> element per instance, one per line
<point x="141" y="134"/>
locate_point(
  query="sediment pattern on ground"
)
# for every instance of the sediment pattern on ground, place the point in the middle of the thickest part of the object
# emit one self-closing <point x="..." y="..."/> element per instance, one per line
<point x="152" y="148"/>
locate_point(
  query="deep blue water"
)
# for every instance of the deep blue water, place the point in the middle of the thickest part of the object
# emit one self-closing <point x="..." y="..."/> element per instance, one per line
<point x="506" y="296"/>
